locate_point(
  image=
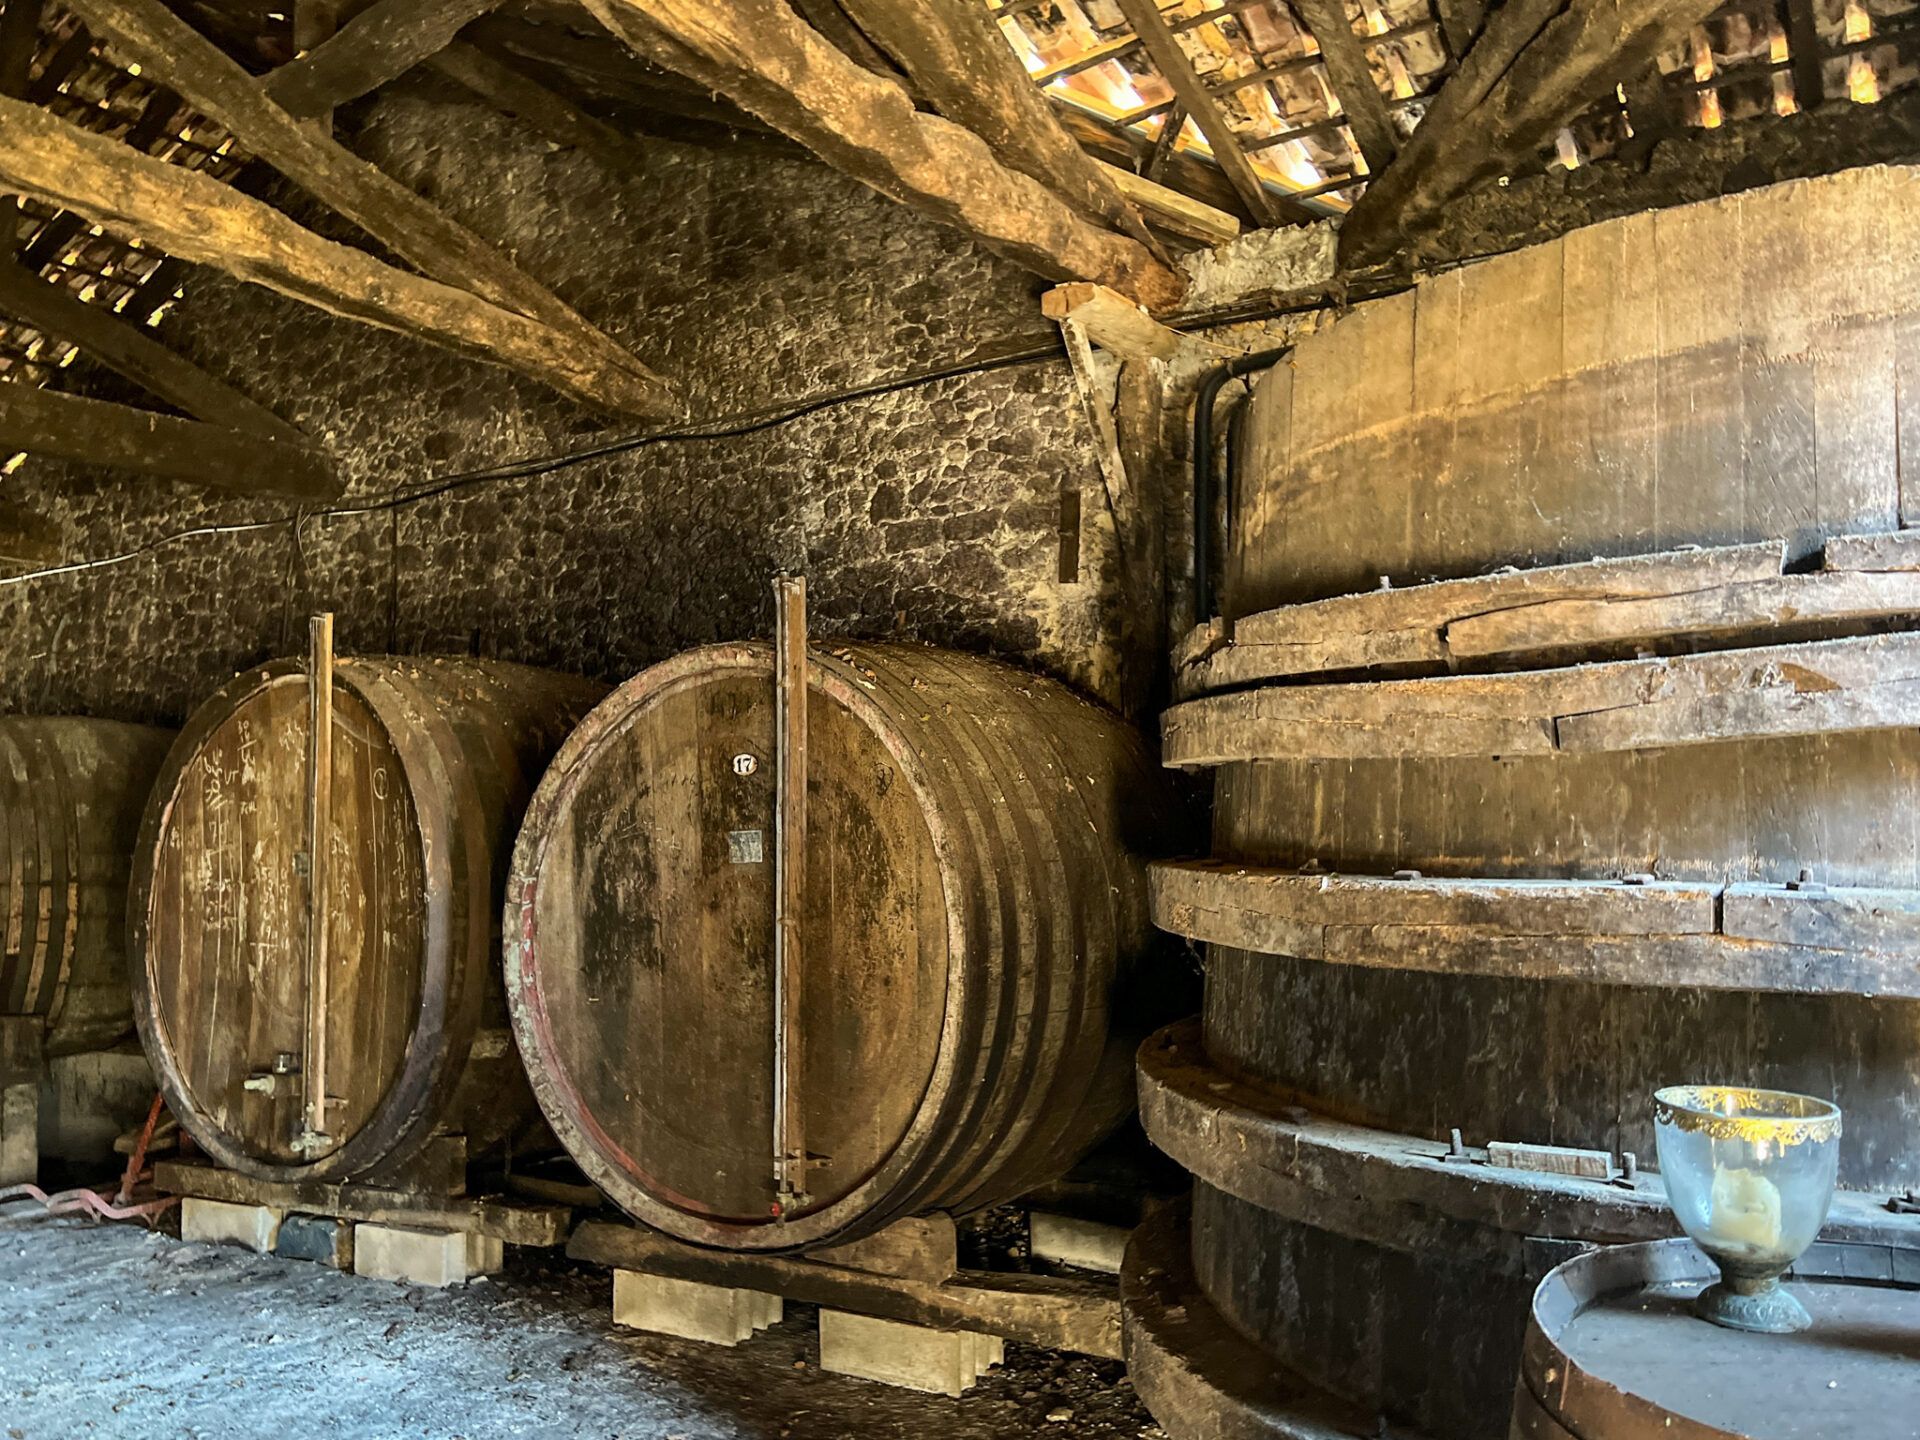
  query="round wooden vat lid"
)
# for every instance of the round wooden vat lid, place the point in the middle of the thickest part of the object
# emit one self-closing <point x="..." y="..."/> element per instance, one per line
<point x="224" y="906"/>
<point x="641" y="973"/>
<point x="1615" y="1352"/>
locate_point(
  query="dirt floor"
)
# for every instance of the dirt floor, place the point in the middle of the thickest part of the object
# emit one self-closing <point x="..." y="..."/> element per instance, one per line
<point x="113" y="1330"/>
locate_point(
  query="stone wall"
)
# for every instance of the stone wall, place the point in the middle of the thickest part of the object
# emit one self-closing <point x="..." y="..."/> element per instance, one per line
<point x="755" y="277"/>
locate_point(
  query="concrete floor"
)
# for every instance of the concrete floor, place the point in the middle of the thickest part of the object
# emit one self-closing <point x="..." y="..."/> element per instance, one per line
<point x="114" y="1330"/>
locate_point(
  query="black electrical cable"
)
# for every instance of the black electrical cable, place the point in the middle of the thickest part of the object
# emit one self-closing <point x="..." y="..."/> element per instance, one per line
<point x="547" y="464"/>
<point x="1039" y="352"/>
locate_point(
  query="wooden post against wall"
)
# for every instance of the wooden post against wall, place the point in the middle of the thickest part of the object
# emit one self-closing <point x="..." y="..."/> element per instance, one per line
<point x="319" y="811"/>
<point x="789" y="884"/>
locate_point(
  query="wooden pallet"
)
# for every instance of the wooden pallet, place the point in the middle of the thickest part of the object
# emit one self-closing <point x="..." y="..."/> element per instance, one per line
<point x="907" y="1273"/>
<point x="494" y="1217"/>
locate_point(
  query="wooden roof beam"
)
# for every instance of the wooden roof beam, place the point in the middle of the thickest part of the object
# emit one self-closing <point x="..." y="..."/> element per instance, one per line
<point x="173" y="54"/>
<point x="125" y="349"/>
<point x="380" y="44"/>
<point x="957" y="59"/>
<point x="196" y="218"/>
<point x="1350" y="77"/>
<point x="118" y="437"/>
<point x="1537" y="65"/>
<point x="550" y="115"/>
<point x="1192" y="92"/>
<point x="765" y="58"/>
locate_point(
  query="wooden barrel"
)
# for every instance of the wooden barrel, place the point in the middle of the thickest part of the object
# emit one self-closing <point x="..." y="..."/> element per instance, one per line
<point x="1507" y="837"/>
<point x="971" y="924"/>
<point x="1615" y="1352"/>
<point x="432" y="762"/>
<point x="71" y="793"/>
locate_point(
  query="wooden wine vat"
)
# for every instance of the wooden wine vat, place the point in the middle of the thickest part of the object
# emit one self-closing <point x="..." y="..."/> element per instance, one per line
<point x="385" y="1021"/>
<point x="962" y="1025"/>
<point x="1507" y="836"/>
<point x="71" y="794"/>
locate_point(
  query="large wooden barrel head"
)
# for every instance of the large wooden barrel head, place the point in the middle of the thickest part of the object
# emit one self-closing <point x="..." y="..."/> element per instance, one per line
<point x="229" y="924"/>
<point x="652" y="910"/>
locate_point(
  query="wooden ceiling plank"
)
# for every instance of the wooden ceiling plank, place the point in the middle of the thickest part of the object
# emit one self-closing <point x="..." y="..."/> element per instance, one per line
<point x="550" y="115"/>
<point x="1537" y="66"/>
<point x="125" y="349"/>
<point x="119" y="437"/>
<point x="19" y="38"/>
<point x="380" y="44"/>
<point x="959" y="62"/>
<point x="196" y="218"/>
<point x="1350" y="78"/>
<point x="173" y="54"/>
<point x="768" y="60"/>
<point x="1144" y="16"/>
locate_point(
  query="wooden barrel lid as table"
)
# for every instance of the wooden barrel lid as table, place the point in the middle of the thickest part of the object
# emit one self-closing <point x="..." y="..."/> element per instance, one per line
<point x="1615" y="1352"/>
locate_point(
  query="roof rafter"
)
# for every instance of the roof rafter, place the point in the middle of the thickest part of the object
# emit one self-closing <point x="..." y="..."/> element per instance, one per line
<point x="768" y="60"/>
<point x="1164" y="48"/>
<point x="380" y="44"/>
<point x="199" y="219"/>
<point x="1538" y="64"/>
<point x="119" y="437"/>
<point x="123" y="348"/>
<point x="957" y="59"/>
<point x="1350" y="78"/>
<point x="177" y="56"/>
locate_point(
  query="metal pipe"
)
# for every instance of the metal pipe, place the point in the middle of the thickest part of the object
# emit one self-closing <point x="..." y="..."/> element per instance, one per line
<point x="1203" y="471"/>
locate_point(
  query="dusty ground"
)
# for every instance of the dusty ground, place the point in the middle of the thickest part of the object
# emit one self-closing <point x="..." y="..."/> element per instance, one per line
<point x="112" y="1330"/>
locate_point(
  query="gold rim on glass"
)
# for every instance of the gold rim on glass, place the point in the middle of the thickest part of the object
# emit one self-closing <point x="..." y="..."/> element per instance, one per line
<point x="1737" y="1112"/>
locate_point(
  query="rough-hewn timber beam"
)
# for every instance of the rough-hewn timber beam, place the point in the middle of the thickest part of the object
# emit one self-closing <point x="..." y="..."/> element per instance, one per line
<point x="196" y="218"/>
<point x="123" y="348"/>
<point x="1192" y="92"/>
<point x="959" y="61"/>
<point x="1350" y="77"/>
<point x="118" y="437"/>
<point x="550" y="115"/>
<point x="177" y="56"/>
<point x="1536" y="67"/>
<point x="380" y="44"/>
<point x="761" y="55"/>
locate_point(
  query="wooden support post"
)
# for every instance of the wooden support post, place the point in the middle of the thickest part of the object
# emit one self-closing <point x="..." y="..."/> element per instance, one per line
<point x="1350" y="77"/>
<point x="196" y="218"/>
<point x="313" y="1070"/>
<point x="380" y="44"/>
<point x="767" y="60"/>
<point x="1191" y="91"/>
<point x="790" y="888"/>
<point x="124" y="348"/>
